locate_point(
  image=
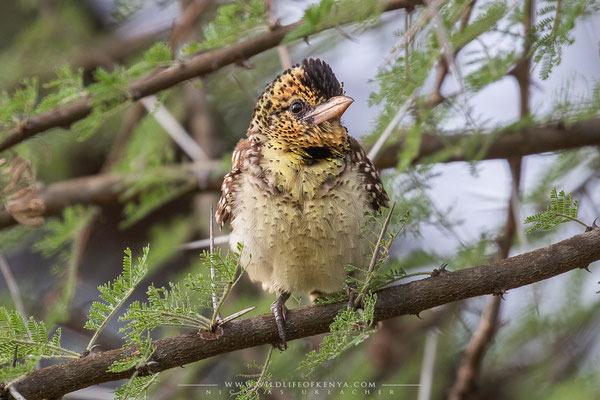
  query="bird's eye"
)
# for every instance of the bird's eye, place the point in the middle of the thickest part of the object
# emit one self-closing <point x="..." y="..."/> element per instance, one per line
<point x="297" y="107"/>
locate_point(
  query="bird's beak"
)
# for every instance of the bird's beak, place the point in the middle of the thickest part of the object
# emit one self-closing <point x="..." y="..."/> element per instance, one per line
<point x="333" y="108"/>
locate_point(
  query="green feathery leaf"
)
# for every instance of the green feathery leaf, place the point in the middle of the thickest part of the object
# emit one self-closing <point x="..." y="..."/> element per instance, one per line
<point x="20" y="105"/>
<point x="26" y="340"/>
<point x="329" y="13"/>
<point x="562" y="209"/>
<point x="116" y="293"/>
<point x="233" y="22"/>
<point x="70" y="89"/>
<point x="136" y="361"/>
<point x="183" y="306"/>
<point x="349" y="328"/>
<point x="554" y="30"/>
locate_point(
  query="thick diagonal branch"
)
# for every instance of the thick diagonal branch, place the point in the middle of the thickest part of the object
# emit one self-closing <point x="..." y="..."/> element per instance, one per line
<point x="200" y="65"/>
<point x="411" y="298"/>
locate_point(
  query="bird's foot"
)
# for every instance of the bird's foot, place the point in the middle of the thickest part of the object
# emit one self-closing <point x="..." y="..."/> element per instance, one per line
<point x="280" y="311"/>
<point x="352" y="296"/>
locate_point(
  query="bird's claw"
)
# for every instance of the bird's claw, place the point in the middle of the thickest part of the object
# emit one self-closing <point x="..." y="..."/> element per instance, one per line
<point x="352" y="296"/>
<point x="280" y="311"/>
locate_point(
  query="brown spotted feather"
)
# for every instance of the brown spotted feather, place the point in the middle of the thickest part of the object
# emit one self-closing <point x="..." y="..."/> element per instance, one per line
<point x="246" y="157"/>
<point x="369" y="174"/>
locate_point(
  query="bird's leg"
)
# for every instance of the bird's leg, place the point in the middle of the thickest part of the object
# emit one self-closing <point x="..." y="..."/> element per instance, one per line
<point x="279" y="311"/>
<point x="351" y="292"/>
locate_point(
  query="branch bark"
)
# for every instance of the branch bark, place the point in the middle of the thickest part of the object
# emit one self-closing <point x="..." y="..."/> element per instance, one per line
<point x="105" y="189"/>
<point x="411" y="298"/>
<point x="199" y="65"/>
<point x="509" y="144"/>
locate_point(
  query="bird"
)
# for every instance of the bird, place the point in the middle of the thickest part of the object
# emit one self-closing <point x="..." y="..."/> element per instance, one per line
<point x="300" y="189"/>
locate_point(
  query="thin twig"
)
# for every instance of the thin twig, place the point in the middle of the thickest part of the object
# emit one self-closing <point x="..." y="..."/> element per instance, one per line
<point x="370" y="271"/>
<point x="213" y="274"/>
<point x="13" y="287"/>
<point x="236" y="315"/>
<point x="204" y="243"/>
<point x="515" y="204"/>
<point x="14" y="393"/>
<point x="258" y="383"/>
<point x="174" y="129"/>
<point x="186" y="21"/>
<point x="410" y="32"/>
<point x="392" y="125"/>
<point x="428" y="365"/>
<point x="282" y="50"/>
<point x="468" y="371"/>
<point x="449" y="57"/>
<point x="108" y="318"/>
<point x="586" y="226"/>
<point x="442" y="67"/>
<point x="200" y="320"/>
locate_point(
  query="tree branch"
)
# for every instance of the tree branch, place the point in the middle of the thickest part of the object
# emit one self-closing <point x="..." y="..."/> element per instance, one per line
<point x="105" y="189"/>
<point x="411" y="298"/>
<point x="509" y="144"/>
<point x="199" y="65"/>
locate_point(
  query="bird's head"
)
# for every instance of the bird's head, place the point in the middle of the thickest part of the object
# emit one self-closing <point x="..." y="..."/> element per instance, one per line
<point x="300" y="112"/>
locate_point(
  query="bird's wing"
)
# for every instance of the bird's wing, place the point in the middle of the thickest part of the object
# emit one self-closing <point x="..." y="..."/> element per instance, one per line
<point x="369" y="174"/>
<point x="231" y="181"/>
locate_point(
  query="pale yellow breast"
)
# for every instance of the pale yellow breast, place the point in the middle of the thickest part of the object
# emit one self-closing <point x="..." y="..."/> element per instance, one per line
<point x="289" y="173"/>
<point x="300" y="240"/>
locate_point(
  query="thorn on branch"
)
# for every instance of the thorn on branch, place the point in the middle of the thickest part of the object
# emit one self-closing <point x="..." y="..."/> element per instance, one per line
<point x="275" y="25"/>
<point x="147" y="367"/>
<point x="345" y="34"/>
<point x="233" y="316"/>
<point x="244" y="64"/>
<point x="418" y="315"/>
<point x="441" y="271"/>
<point x="87" y="352"/>
<point x="594" y="226"/>
<point x="587" y="268"/>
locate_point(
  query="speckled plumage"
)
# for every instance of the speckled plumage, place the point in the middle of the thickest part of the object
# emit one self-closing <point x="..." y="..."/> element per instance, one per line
<point x="299" y="187"/>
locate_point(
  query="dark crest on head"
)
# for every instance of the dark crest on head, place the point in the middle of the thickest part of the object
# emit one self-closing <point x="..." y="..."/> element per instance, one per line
<point x="319" y="76"/>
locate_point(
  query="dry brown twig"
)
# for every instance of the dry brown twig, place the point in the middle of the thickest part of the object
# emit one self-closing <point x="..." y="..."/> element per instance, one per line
<point x="282" y="50"/>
